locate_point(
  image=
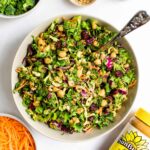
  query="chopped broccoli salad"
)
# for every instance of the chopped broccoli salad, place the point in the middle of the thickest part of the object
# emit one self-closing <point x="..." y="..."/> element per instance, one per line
<point x="69" y="83"/>
<point x="16" y="7"/>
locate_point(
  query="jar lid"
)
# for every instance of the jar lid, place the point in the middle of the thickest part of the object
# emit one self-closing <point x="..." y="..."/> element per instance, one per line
<point x="143" y="116"/>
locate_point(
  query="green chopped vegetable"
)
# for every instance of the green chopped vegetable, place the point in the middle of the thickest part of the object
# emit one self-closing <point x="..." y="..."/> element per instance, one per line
<point x="68" y="82"/>
<point x="16" y="7"/>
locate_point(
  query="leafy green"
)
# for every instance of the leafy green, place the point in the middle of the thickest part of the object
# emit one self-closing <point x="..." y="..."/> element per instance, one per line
<point x="16" y="7"/>
<point x="68" y="82"/>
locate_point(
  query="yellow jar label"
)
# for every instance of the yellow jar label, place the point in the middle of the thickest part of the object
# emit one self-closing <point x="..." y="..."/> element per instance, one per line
<point x="131" y="139"/>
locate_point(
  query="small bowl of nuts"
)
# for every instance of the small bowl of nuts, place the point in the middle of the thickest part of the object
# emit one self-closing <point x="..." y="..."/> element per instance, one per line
<point x="82" y="2"/>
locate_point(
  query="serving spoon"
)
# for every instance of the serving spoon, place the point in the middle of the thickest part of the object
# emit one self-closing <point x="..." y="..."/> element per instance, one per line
<point x="139" y="19"/>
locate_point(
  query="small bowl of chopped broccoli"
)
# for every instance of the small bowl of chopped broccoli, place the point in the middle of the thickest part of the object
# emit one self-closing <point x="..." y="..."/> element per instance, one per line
<point x="16" y="8"/>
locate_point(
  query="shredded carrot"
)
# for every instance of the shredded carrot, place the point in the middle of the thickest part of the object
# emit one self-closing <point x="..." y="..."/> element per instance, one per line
<point x="14" y="136"/>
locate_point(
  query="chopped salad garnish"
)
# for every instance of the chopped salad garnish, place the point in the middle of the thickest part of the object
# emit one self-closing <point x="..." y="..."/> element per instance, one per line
<point x="16" y="7"/>
<point x="68" y="82"/>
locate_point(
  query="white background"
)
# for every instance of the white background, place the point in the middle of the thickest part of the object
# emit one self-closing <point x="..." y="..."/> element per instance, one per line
<point x="116" y="12"/>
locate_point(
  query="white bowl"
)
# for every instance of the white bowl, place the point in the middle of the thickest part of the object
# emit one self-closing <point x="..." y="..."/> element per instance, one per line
<point x="21" y="15"/>
<point x="43" y="128"/>
<point x="17" y="119"/>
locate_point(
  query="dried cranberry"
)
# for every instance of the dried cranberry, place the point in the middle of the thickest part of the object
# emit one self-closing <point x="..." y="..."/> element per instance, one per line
<point x="105" y="76"/>
<point x="65" y="79"/>
<point x="115" y="91"/>
<point x="65" y="129"/>
<point x="30" y="50"/>
<point x="118" y="73"/>
<point x="31" y="106"/>
<point x="64" y="44"/>
<point x="110" y="82"/>
<point x="105" y="110"/>
<point x="58" y="44"/>
<point x="91" y="118"/>
<point x="48" y="122"/>
<point x="127" y="69"/>
<point x="49" y="95"/>
<point x="83" y="93"/>
<point x="90" y="40"/>
<point x="122" y="92"/>
<point x="93" y="107"/>
<point x="85" y="35"/>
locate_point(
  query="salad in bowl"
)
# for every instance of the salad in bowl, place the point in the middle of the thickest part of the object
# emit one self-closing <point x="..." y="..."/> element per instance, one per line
<point x="68" y="83"/>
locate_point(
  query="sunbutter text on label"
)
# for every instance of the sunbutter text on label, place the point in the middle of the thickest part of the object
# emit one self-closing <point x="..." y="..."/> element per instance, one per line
<point x="131" y="139"/>
<point x="126" y="144"/>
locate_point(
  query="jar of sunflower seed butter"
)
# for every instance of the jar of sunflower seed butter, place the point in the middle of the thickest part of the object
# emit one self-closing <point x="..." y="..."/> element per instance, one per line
<point x="136" y="134"/>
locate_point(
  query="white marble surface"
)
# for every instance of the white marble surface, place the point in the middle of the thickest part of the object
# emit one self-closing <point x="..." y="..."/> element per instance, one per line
<point x="117" y="12"/>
